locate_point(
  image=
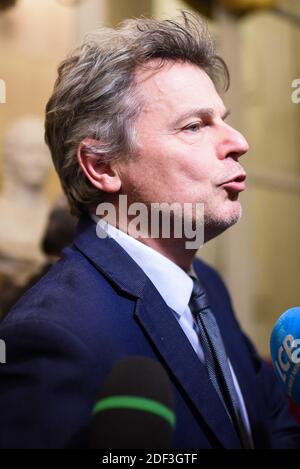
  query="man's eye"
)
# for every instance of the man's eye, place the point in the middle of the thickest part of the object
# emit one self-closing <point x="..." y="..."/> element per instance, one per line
<point x="194" y="127"/>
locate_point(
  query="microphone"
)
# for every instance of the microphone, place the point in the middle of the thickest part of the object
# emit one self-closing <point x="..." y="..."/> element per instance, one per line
<point x="285" y="352"/>
<point x="134" y="408"/>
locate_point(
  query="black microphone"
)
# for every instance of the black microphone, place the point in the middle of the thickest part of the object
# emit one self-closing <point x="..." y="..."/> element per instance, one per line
<point x="135" y="407"/>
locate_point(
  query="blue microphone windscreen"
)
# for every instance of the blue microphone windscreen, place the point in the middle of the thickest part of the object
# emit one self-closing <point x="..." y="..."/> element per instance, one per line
<point x="285" y="352"/>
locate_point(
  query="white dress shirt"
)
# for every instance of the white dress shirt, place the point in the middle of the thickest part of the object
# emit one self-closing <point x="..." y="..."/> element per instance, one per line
<point x="175" y="287"/>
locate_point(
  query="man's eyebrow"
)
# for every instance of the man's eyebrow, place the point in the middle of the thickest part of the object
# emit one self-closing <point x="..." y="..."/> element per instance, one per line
<point x="203" y="113"/>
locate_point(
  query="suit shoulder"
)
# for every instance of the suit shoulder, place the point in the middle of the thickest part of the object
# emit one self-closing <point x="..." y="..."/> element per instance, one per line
<point x="72" y="294"/>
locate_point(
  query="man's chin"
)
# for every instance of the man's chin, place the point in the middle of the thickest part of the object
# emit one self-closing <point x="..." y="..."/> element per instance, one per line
<point x="214" y="226"/>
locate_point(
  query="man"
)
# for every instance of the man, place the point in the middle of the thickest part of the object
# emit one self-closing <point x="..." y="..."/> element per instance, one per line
<point x="135" y="112"/>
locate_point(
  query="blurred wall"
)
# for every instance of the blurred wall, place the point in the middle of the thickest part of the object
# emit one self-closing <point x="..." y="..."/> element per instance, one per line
<point x="34" y="37"/>
<point x="269" y="63"/>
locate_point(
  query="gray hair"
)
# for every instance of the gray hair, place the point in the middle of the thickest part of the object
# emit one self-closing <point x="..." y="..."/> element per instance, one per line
<point x="95" y="94"/>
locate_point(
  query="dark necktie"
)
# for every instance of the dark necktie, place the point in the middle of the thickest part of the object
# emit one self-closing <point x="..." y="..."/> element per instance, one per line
<point x="216" y="359"/>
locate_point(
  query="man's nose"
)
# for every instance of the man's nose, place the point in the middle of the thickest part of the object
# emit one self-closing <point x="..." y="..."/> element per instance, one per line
<point x="233" y="144"/>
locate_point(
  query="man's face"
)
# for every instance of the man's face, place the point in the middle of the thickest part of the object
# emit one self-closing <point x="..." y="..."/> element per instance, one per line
<point x="186" y="151"/>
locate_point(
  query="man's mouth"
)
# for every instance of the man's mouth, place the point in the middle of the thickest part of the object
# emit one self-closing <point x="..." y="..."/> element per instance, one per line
<point x="236" y="183"/>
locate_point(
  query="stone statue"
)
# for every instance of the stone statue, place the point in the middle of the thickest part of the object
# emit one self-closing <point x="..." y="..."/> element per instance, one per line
<point x="23" y="206"/>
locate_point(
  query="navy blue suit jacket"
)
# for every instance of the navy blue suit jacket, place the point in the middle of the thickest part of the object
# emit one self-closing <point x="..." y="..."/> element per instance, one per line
<point x="95" y="307"/>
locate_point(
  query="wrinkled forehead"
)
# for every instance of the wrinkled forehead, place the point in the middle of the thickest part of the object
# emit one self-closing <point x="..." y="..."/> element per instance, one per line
<point x="173" y="87"/>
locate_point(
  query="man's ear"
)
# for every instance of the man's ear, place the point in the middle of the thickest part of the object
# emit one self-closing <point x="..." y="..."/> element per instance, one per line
<point x="104" y="176"/>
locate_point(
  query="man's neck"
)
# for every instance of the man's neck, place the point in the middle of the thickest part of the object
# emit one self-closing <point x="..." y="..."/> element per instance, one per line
<point x="171" y="247"/>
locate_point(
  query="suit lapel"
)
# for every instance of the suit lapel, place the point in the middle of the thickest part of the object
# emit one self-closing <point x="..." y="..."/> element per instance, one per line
<point x="163" y="330"/>
<point x="246" y="377"/>
<point x="239" y="356"/>
<point x="170" y="341"/>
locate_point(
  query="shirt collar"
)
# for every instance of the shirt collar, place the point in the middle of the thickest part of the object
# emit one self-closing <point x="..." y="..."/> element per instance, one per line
<point x="173" y="283"/>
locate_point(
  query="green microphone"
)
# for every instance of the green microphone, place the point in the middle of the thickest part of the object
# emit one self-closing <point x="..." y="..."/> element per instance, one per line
<point x="135" y="407"/>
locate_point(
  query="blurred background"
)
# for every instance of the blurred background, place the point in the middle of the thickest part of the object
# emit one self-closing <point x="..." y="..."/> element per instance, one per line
<point x="259" y="258"/>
